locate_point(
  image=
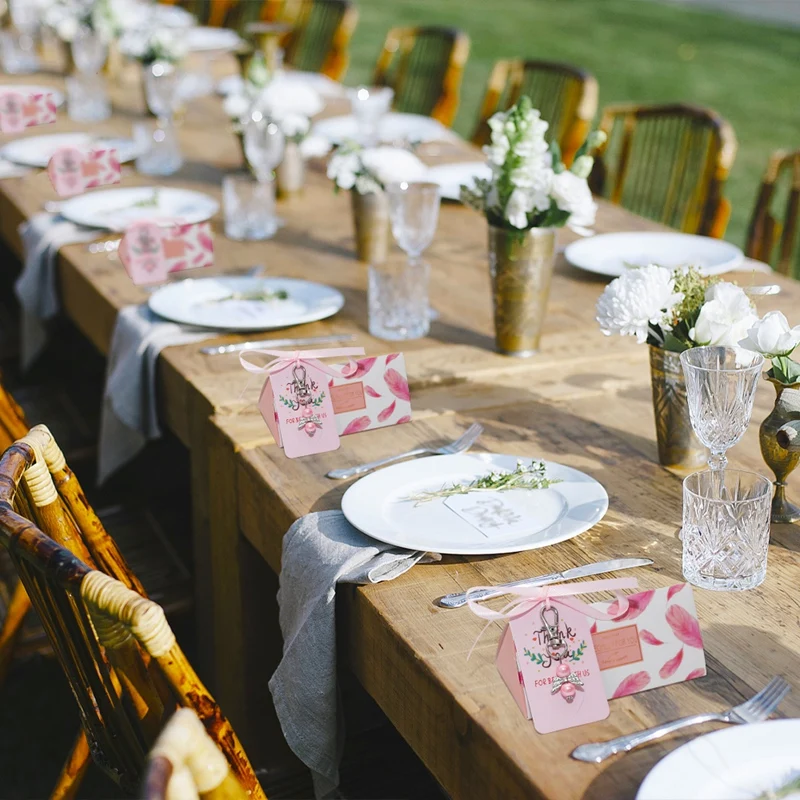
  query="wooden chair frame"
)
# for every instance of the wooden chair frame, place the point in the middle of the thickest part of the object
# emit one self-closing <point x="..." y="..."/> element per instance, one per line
<point x="505" y="86"/>
<point x="765" y="231"/>
<point x="399" y="43"/>
<point x="713" y="210"/>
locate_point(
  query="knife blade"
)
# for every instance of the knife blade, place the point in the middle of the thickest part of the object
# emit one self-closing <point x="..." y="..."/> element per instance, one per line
<point x="458" y="599"/>
<point x="240" y="346"/>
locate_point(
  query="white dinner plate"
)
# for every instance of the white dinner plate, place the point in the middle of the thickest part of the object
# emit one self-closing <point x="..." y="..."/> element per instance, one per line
<point x="451" y="177"/>
<point x="170" y="16"/>
<point x="392" y="128"/>
<point x="58" y="97"/>
<point x="325" y="86"/>
<point x="197" y="302"/>
<point x="36" y="151"/>
<point x="611" y="253"/>
<point x="115" y="209"/>
<point x="737" y="763"/>
<point x="378" y="505"/>
<point x="207" y="39"/>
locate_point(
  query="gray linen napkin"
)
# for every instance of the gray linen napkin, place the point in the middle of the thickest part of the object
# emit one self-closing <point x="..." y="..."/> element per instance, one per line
<point x="319" y="551"/>
<point x="42" y="237"/>
<point x="130" y="413"/>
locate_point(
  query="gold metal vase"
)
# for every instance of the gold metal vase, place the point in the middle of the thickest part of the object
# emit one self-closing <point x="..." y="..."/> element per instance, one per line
<point x="371" y="224"/>
<point x="290" y="174"/>
<point x="678" y="446"/>
<point x="521" y="267"/>
<point x="781" y="461"/>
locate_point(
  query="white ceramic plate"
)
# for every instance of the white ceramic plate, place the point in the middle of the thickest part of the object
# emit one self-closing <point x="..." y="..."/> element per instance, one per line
<point x="115" y="209"/>
<point x="58" y="97"/>
<point x="451" y="177"/>
<point x="36" y="151"/>
<point x="377" y="505"/>
<point x="192" y="302"/>
<point x="206" y="39"/>
<point x="325" y="86"/>
<point x="392" y="128"/>
<point x="609" y="253"/>
<point x="737" y="763"/>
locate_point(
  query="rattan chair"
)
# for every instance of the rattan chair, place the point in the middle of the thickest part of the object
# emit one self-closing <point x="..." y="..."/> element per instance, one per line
<point x="321" y="36"/>
<point x="185" y="763"/>
<point x="117" y="650"/>
<point x="234" y="14"/>
<point x="668" y="163"/>
<point x="773" y="236"/>
<point x="565" y="95"/>
<point x="425" y="67"/>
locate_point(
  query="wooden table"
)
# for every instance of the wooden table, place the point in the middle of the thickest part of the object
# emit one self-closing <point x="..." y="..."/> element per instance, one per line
<point x="584" y="401"/>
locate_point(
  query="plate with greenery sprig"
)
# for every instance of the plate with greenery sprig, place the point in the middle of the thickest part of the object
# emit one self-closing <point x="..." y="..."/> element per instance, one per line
<point x="406" y="505"/>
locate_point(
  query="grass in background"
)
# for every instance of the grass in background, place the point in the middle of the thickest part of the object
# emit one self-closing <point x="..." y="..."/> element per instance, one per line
<point x="640" y="51"/>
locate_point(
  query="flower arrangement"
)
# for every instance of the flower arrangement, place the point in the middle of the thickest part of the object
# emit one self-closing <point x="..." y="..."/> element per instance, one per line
<point x="675" y="309"/>
<point x="530" y="187"/>
<point x="107" y="18"/>
<point x="156" y="45"/>
<point x="370" y="170"/>
<point x="774" y="339"/>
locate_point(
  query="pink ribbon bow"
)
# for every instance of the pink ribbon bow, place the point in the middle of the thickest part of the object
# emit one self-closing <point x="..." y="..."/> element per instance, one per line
<point x="287" y="358"/>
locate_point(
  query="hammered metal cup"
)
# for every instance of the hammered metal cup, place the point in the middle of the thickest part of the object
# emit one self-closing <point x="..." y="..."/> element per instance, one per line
<point x="371" y="223"/>
<point x="290" y="174"/>
<point x="521" y="266"/>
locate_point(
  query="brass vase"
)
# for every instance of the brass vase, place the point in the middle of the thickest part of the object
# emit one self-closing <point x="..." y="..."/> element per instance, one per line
<point x="678" y="446"/>
<point x="371" y="223"/>
<point x="290" y="174"/>
<point x="779" y="460"/>
<point x="521" y="266"/>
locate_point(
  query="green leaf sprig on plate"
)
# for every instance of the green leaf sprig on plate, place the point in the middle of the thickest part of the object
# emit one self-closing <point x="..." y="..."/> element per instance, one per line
<point x="257" y="296"/>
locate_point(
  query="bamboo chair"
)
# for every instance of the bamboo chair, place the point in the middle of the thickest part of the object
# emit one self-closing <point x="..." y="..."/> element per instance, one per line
<point x="770" y="238"/>
<point x="425" y="67"/>
<point x="117" y="650"/>
<point x="185" y="763"/>
<point x="321" y="37"/>
<point x="565" y="95"/>
<point x="668" y="163"/>
<point x="234" y="14"/>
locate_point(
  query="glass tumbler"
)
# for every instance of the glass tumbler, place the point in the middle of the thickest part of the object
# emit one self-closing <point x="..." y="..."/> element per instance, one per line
<point x="398" y="299"/>
<point x="249" y="208"/>
<point x="18" y="52"/>
<point x="87" y="99"/>
<point x="369" y="106"/>
<point x="725" y="528"/>
<point x="158" y="149"/>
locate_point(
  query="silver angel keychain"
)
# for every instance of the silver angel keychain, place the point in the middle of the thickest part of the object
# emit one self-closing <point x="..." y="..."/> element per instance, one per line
<point x="310" y="421"/>
<point x="558" y="650"/>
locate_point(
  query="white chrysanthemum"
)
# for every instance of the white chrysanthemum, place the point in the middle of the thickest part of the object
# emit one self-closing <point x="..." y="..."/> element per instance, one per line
<point x="573" y="194"/>
<point x="236" y="106"/>
<point x="294" y="126"/>
<point x="393" y="164"/>
<point x="342" y="169"/>
<point x="636" y="299"/>
<point x="315" y="147"/>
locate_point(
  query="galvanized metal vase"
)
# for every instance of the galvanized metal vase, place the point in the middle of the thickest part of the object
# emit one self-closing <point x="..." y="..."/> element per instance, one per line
<point x="678" y="446"/>
<point x="781" y="461"/>
<point x="371" y="223"/>
<point x="290" y="174"/>
<point x="521" y="266"/>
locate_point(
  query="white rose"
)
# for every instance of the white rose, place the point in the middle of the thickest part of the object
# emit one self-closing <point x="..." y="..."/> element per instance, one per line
<point x="393" y="164"/>
<point x="236" y="106"/>
<point x="572" y="194"/>
<point x="315" y="147"/>
<point x="582" y="166"/>
<point x="517" y="209"/>
<point x="67" y="28"/>
<point x="288" y="95"/>
<point x="725" y="317"/>
<point x="772" y="336"/>
<point x="293" y="125"/>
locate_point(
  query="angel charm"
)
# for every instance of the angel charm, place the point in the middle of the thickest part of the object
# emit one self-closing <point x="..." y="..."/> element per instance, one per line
<point x="310" y="421"/>
<point x="565" y="682"/>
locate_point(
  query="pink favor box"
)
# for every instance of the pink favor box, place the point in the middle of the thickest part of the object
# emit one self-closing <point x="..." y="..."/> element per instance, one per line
<point x="19" y="111"/>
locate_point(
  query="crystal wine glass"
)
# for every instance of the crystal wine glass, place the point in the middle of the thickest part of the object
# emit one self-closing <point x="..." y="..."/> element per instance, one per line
<point x="264" y="144"/>
<point x="720" y="387"/>
<point x="89" y="51"/>
<point x="162" y="88"/>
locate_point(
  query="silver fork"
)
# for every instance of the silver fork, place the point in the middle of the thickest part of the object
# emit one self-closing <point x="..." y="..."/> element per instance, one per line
<point x="464" y="442"/>
<point x="756" y="709"/>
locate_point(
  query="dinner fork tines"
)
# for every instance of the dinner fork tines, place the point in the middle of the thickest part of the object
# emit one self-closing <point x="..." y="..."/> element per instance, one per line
<point x="756" y="709"/>
<point x="464" y="442"/>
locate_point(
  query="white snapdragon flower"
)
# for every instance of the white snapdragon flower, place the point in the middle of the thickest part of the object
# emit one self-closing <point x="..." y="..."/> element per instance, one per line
<point x="393" y="164"/>
<point x="771" y="336"/>
<point x="67" y="28"/>
<point x="725" y="318"/>
<point x="518" y="207"/>
<point x="236" y="106"/>
<point x="636" y="299"/>
<point x="572" y="194"/>
<point x="342" y="169"/>
<point x="582" y="166"/>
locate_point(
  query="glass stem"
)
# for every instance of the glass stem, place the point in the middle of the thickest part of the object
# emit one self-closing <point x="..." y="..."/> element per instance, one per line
<point x="718" y="460"/>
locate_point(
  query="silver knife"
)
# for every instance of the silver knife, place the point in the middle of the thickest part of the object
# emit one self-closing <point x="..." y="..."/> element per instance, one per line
<point x="459" y="599"/>
<point x="239" y="346"/>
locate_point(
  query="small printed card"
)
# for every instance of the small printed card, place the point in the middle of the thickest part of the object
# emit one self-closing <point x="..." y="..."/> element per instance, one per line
<point x="20" y="110"/>
<point x="657" y="641"/>
<point x="372" y="394"/>
<point x="492" y="512"/>
<point x="150" y="252"/>
<point x="73" y="171"/>
<point x="558" y="667"/>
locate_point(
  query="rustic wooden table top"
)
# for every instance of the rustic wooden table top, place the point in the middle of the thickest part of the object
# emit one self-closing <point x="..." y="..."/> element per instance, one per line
<point x="583" y="401"/>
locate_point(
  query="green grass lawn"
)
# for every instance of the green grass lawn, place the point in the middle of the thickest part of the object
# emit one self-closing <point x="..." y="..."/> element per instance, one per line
<point x="639" y="51"/>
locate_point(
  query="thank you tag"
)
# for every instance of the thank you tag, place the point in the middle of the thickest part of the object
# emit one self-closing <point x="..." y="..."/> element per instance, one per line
<point x="491" y="512"/>
<point x="20" y="110"/>
<point x="558" y="666"/>
<point x="150" y="252"/>
<point x="72" y="171"/>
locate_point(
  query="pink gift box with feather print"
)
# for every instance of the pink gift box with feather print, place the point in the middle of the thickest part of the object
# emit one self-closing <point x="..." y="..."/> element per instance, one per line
<point x="656" y="642"/>
<point x="372" y="394"/>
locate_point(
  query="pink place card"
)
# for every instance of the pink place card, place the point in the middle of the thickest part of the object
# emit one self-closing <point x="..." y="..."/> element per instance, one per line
<point x="372" y="393"/>
<point x="20" y="110"/>
<point x="73" y="171"/>
<point x="150" y="252"/>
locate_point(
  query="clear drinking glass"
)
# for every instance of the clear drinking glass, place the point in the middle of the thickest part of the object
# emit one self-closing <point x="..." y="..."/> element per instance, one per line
<point x="725" y="528"/>
<point x="249" y="208"/>
<point x="264" y="144"/>
<point x="162" y="89"/>
<point x="158" y="150"/>
<point x="398" y="299"/>
<point x="87" y="99"/>
<point x="369" y="105"/>
<point x="720" y="388"/>
<point x="18" y="52"/>
<point x="89" y="51"/>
